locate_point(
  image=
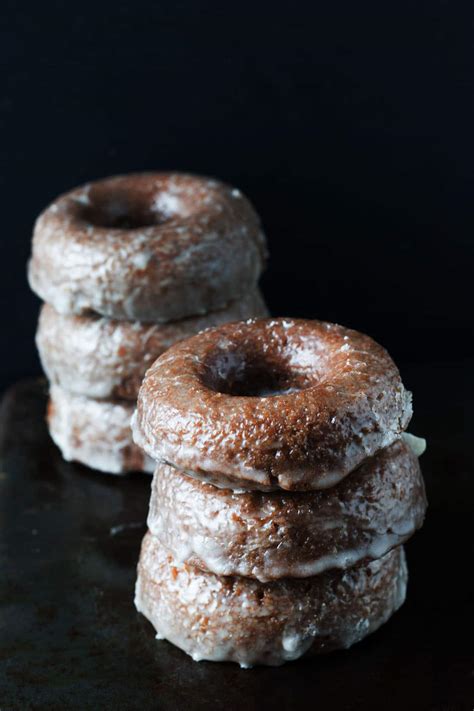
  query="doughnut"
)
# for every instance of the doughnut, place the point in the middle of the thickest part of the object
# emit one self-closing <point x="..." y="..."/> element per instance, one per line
<point x="148" y="247"/>
<point x="95" y="433"/>
<point x="281" y="534"/>
<point x="222" y="618"/>
<point x="104" y="358"/>
<point x="271" y="403"/>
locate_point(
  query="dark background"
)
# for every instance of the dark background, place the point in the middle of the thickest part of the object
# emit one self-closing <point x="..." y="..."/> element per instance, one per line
<point x="350" y="126"/>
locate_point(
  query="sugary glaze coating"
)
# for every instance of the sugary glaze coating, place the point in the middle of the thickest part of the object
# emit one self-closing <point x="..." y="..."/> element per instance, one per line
<point x="271" y="403"/>
<point x="148" y="246"/>
<point x="106" y="358"/>
<point x="95" y="433"/>
<point x="290" y="534"/>
<point x="222" y="618"/>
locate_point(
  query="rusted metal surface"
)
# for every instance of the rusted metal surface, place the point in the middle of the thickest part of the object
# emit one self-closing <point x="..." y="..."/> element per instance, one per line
<point x="70" y="636"/>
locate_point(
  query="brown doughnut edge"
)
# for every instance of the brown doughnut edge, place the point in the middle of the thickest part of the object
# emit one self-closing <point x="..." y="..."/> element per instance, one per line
<point x="222" y="618"/>
<point x="271" y="403"/>
<point x="289" y="534"/>
<point x="152" y="247"/>
<point x="95" y="433"/>
<point x="104" y="358"/>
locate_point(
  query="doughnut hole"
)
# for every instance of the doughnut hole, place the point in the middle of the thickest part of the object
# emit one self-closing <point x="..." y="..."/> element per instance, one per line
<point x="129" y="208"/>
<point x="254" y="374"/>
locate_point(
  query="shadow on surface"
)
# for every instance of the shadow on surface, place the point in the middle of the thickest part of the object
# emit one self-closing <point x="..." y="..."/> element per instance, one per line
<point x="70" y="636"/>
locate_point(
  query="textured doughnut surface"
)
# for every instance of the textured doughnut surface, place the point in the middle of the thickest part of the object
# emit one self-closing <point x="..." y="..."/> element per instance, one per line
<point x="148" y="246"/>
<point x="290" y="534"/>
<point x="222" y="618"/>
<point x="95" y="433"/>
<point x="106" y="358"/>
<point x="271" y="403"/>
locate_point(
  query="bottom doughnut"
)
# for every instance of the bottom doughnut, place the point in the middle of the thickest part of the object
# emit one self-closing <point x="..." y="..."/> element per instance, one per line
<point x="237" y="619"/>
<point x="95" y="432"/>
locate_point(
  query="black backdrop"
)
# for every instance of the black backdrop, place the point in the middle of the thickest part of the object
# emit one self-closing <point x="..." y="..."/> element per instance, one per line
<point x="349" y="126"/>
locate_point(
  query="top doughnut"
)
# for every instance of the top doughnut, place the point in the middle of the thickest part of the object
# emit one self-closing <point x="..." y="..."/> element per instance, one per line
<point x="271" y="403"/>
<point x="147" y="246"/>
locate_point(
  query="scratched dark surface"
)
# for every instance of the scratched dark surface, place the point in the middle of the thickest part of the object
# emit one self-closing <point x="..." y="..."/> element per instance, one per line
<point x="69" y="539"/>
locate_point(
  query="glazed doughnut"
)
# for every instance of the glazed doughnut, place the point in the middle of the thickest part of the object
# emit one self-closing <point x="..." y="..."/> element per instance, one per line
<point x="104" y="358"/>
<point x="267" y="404"/>
<point x="95" y="433"/>
<point x="221" y="618"/>
<point x="148" y="247"/>
<point x="281" y="534"/>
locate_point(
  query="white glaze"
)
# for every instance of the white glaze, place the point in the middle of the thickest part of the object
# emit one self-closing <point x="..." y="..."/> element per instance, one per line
<point x="352" y="405"/>
<point x="254" y="623"/>
<point x="207" y="251"/>
<point x="416" y="444"/>
<point x="103" y="358"/>
<point x="95" y="433"/>
<point x="280" y="534"/>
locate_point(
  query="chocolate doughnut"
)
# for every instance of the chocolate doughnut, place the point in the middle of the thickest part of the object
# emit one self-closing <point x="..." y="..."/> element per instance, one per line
<point x="95" y="433"/>
<point x="290" y="534"/>
<point x="271" y="403"/>
<point x="105" y="358"/>
<point x="148" y="247"/>
<point x="223" y="618"/>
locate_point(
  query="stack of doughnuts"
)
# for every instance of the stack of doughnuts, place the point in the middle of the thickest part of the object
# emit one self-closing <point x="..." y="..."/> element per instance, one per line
<point x="284" y="490"/>
<point x="127" y="266"/>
